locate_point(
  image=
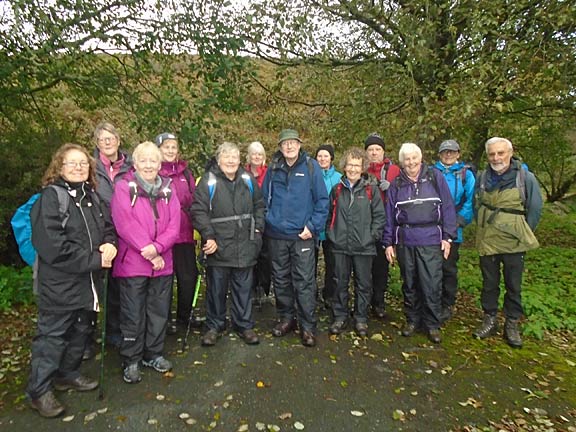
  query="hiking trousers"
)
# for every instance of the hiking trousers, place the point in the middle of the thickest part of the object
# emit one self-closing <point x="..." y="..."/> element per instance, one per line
<point x="57" y="348"/>
<point x="450" y="276"/>
<point x="421" y="270"/>
<point x="512" y="268"/>
<point x="240" y="282"/>
<point x="186" y="273"/>
<point x="362" y="267"/>
<point x="145" y="306"/>
<point x="293" y="265"/>
<point x="380" y="269"/>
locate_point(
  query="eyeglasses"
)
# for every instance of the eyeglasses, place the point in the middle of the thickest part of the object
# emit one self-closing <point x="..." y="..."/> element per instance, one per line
<point x="106" y="140"/>
<point x="72" y="164"/>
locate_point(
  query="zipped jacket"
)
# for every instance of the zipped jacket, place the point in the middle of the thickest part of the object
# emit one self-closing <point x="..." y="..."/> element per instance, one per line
<point x="295" y="197"/>
<point x="69" y="262"/>
<point x="331" y="179"/>
<point x="105" y="186"/>
<point x="141" y="220"/>
<point x="183" y="185"/>
<point x="419" y="213"/>
<point x="462" y="192"/>
<point x="233" y="217"/>
<point x="355" y="221"/>
<point x="261" y="173"/>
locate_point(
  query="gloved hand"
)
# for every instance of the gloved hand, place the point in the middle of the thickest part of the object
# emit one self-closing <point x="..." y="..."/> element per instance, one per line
<point x="460" y="221"/>
<point x="384" y="185"/>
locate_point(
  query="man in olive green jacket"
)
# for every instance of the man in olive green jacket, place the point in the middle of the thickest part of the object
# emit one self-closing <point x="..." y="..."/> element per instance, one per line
<point x="507" y="208"/>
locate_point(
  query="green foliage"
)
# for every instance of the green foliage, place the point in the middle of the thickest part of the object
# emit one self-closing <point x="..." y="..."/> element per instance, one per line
<point x="15" y="287"/>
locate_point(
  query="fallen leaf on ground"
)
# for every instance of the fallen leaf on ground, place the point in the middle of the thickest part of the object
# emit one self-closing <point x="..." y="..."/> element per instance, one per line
<point x="184" y="415"/>
<point x="398" y="415"/>
<point x="298" y="426"/>
<point x="260" y="384"/>
<point x="68" y="418"/>
<point x="285" y="416"/>
<point x="356" y="413"/>
<point x="218" y="384"/>
<point x="243" y="428"/>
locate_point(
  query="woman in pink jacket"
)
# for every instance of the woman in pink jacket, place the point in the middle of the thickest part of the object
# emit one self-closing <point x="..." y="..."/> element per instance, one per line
<point x="146" y="215"/>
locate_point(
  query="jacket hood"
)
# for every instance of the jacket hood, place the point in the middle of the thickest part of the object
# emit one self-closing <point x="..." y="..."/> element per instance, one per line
<point x="173" y="168"/>
<point x="452" y="168"/>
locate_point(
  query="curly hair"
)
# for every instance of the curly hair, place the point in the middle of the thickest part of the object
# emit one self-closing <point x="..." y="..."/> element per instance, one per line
<point x="54" y="170"/>
<point x="354" y="153"/>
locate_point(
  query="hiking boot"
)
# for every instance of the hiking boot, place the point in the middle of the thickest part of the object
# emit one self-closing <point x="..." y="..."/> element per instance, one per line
<point x="210" y="338"/>
<point x="80" y="383"/>
<point x="446" y="314"/>
<point x="488" y="328"/>
<point x="379" y="312"/>
<point x="361" y="329"/>
<point x="159" y="364"/>
<point x="434" y="336"/>
<point x="249" y="336"/>
<point x="409" y="329"/>
<point x="308" y="339"/>
<point x="47" y="405"/>
<point x="131" y="373"/>
<point x="337" y="327"/>
<point x="282" y="328"/>
<point x="512" y="333"/>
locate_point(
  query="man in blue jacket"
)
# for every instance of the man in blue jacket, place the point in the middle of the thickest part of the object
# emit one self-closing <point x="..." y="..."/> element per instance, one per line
<point x="297" y="208"/>
<point x="461" y="181"/>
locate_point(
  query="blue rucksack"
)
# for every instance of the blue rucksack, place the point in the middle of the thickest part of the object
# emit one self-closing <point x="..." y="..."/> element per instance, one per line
<point x="22" y="225"/>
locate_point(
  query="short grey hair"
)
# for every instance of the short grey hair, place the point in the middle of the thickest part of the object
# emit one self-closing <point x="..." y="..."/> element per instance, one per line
<point x="255" y="147"/>
<point x="408" y="148"/>
<point x="147" y="147"/>
<point x="226" y="147"/>
<point x="108" y="127"/>
<point x="495" y="140"/>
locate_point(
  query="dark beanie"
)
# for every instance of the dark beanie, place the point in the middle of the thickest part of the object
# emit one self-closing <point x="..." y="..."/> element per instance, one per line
<point x="374" y="138"/>
<point x="326" y="147"/>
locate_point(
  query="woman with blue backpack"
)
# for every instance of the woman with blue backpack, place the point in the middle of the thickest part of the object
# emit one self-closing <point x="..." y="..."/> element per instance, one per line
<point x="74" y="239"/>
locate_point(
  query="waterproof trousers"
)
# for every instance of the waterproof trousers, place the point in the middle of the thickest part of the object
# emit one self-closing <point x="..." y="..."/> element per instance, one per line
<point x="262" y="272"/>
<point x="380" y="268"/>
<point x="112" y="307"/>
<point x="145" y="306"/>
<point x="329" y="275"/>
<point x="293" y="278"/>
<point x="344" y="265"/>
<point x="57" y="348"/>
<point x="186" y="274"/>
<point x="421" y="270"/>
<point x="450" y="276"/>
<point x="240" y="282"/>
<point x="512" y="267"/>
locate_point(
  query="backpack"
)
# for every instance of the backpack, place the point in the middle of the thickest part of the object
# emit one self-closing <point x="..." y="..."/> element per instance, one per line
<point x="22" y="224"/>
<point x="339" y="187"/>
<point x="461" y="174"/>
<point x="212" y="181"/>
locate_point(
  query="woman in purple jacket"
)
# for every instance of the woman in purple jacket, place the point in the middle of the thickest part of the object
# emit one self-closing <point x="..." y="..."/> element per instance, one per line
<point x="420" y="226"/>
<point x="146" y="215"/>
<point x="184" y="253"/>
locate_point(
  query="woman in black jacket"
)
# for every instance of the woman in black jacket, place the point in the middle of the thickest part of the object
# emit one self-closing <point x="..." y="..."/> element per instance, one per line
<point x="355" y="222"/>
<point x="74" y="239"/>
<point x="228" y="211"/>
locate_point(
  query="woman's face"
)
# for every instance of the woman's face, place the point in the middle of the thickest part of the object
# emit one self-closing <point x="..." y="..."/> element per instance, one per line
<point x="324" y="159"/>
<point x="108" y="144"/>
<point x="411" y="164"/>
<point x="449" y="157"/>
<point x="147" y="166"/>
<point x="256" y="159"/>
<point x="169" y="149"/>
<point x="75" y="167"/>
<point x="353" y="169"/>
<point x="229" y="163"/>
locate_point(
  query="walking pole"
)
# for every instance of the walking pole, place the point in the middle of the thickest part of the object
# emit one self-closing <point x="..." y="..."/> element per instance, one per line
<point x="103" y="308"/>
<point x="194" y="300"/>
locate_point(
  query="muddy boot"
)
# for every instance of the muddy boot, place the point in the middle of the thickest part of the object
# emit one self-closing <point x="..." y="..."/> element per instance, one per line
<point x="488" y="328"/>
<point x="512" y="333"/>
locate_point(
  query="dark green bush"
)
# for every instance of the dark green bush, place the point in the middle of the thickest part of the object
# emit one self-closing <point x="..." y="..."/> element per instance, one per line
<point x="15" y="287"/>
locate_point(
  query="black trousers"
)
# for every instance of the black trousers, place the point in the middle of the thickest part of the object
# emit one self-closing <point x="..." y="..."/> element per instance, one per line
<point x="293" y="277"/>
<point x="186" y="274"/>
<point x="421" y="270"/>
<point x="512" y="267"/>
<point x="57" y="348"/>
<point x="362" y="267"/>
<point x="329" y="275"/>
<point x="112" y="306"/>
<point x="145" y="306"/>
<point x="240" y="282"/>
<point x="380" y="268"/>
<point x="262" y="271"/>
<point x="450" y="276"/>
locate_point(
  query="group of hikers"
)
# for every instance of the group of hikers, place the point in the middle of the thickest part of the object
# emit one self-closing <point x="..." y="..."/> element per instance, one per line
<point x="262" y="226"/>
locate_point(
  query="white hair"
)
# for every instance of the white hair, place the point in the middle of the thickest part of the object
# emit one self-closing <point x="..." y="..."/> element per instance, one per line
<point x="226" y="147"/>
<point x="495" y="140"/>
<point x="408" y="148"/>
<point x="255" y="147"/>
